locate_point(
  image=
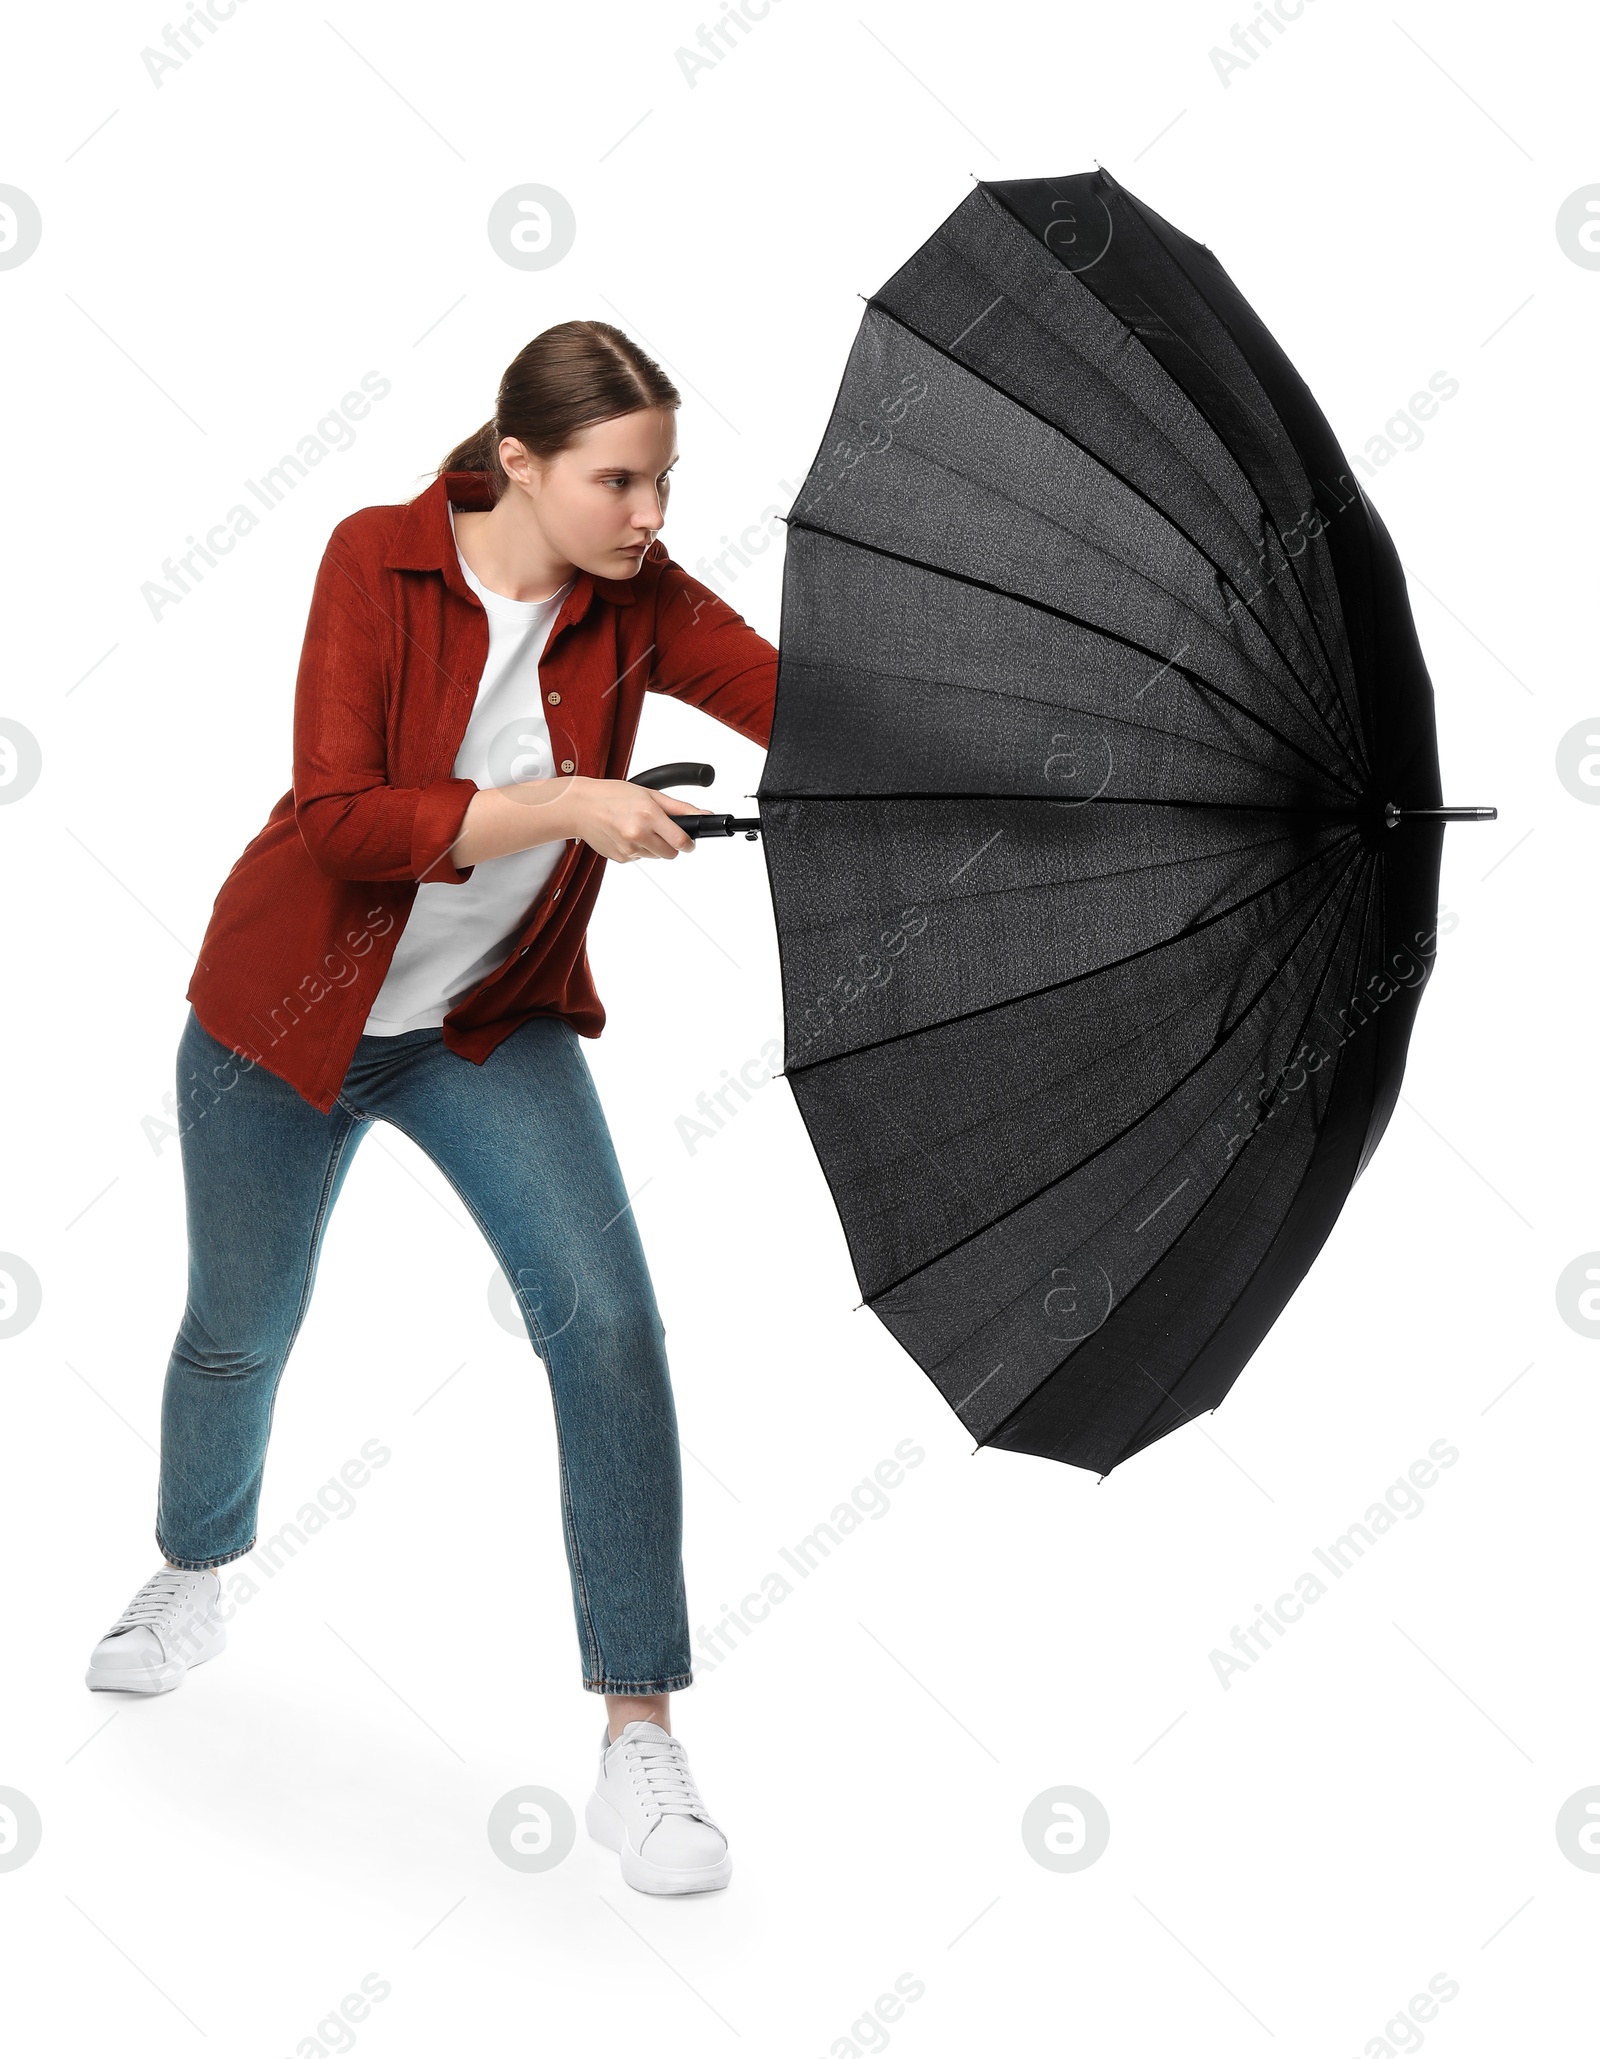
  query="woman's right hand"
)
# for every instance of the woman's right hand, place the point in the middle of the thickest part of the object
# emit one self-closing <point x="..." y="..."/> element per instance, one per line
<point x="623" y="821"/>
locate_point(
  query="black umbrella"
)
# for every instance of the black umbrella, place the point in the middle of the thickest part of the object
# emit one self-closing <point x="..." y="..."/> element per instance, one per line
<point x="1101" y="816"/>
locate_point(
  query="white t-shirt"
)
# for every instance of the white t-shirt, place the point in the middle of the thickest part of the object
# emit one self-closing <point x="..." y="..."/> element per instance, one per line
<point x="456" y="936"/>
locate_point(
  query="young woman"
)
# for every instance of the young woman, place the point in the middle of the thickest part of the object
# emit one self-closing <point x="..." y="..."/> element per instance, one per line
<point x="404" y="942"/>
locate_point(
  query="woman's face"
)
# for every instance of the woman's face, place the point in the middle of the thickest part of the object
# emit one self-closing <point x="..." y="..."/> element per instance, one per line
<point x="600" y="501"/>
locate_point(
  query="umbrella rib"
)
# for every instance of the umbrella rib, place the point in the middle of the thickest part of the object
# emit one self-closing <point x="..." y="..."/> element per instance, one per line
<point x="1097" y="879"/>
<point x="1177" y="262"/>
<point x="1033" y="700"/>
<point x="1072" y="978"/>
<point x="1245" y="1285"/>
<point x="1362" y="760"/>
<point x="1339" y="743"/>
<point x="1350" y="745"/>
<point x="1027" y="1199"/>
<point x="1088" y="879"/>
<point x="1062" y="801"/>
<point x="1187" y="610"/>
<point x="1065" y="615"/>
<point x="1268" y="420"/>
<point x="1371" y="881"/>
<point x="1222" y="1179"/>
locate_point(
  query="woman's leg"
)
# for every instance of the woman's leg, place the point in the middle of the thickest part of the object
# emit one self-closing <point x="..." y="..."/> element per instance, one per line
<point x="262" y="1169"/>
<point x="523" y="1140"/>
<point x="622" y="1709"/>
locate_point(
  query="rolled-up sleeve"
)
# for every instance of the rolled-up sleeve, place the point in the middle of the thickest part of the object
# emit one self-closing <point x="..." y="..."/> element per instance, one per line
<point x="707" y="654"/>
<point x="352" y="821"/>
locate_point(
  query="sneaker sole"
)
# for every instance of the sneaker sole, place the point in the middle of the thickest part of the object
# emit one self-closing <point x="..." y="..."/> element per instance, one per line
<point x="604" y="1825"/>
<point x="153" y="1679"/>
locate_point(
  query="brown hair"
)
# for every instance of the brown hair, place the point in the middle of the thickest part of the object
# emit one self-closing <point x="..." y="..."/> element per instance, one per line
<point x="565" y="379"/>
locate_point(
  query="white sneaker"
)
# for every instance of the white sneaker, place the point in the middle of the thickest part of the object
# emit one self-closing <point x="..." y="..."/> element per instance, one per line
<point x="169" y="1626"/>
<point x="646" y="1807"/>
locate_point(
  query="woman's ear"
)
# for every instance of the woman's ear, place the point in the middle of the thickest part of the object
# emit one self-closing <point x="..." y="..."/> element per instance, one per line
<point x="518" y="464"/>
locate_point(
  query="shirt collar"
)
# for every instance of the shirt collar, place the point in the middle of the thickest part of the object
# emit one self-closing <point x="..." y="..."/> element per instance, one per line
<point x="425" y="542"/>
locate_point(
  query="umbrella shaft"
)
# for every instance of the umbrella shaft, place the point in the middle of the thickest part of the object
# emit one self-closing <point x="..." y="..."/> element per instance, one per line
<point x="1393" y="815"/>
<point x="719" y="825"/>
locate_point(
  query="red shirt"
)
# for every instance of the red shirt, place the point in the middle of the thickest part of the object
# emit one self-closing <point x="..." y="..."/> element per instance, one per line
<point x="306" y="923"/>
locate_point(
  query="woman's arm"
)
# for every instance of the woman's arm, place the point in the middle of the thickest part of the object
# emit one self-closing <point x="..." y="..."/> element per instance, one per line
<point x="357" y="826"/>
<point x="352" y="821"/>
<point x="705" y="654"/>
<point x="708" y="655"/>
<point x="614" y="817"/>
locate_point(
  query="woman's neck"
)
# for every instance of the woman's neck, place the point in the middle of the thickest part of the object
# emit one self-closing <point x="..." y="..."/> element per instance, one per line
<point x="506" y="549"/>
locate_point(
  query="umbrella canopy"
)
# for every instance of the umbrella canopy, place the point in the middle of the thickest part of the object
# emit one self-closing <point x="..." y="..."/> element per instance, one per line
<point x="1089" y="813"/>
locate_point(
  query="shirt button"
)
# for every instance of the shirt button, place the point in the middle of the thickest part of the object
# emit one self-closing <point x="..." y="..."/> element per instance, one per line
<point x="567" y="765"/>
<point x="552" y="697"/>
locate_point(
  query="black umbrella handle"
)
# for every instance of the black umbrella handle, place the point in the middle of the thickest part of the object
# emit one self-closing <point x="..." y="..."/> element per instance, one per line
<point x="685" y="772"/>
<point x="681" y="772"/>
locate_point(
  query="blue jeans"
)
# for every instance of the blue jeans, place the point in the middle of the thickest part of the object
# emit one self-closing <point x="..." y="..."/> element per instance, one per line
<point x="523" y="1140"/>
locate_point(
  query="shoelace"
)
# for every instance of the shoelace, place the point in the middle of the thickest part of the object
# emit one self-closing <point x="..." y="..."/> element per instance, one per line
<point x="664" y="1764"/>
<point x="157" y="1598"/>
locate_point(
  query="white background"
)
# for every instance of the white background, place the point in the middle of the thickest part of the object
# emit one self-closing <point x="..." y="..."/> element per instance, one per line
<point x="1293" y="1856"/>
